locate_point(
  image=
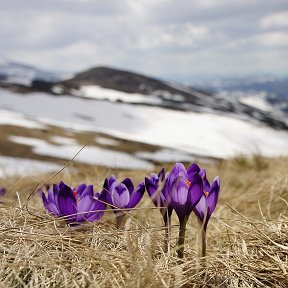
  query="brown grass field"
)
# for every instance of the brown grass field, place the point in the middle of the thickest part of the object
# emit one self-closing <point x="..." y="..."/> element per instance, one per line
<point x="247" y="235"/>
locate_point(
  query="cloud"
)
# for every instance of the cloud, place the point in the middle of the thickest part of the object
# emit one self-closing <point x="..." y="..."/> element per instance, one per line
<point x="275" y="20"/>
<point x="273" y="39"/>
<point x="186" y="34"/>
<point x="161" y="37"/>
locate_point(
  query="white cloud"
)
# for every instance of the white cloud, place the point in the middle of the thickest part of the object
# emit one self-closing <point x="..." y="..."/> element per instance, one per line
<point x="152" y="37"/>
<point x="273" y="39"/>
<point x="75" y="55"/>
<point x="275" y="20"/>
<point x="185" y="34"/>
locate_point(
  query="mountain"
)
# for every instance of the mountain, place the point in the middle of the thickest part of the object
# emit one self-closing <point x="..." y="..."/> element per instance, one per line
<point x="107" y="83"/>
<point x="103" y="82"/>
<point x="129" y="119"/>
<point x="24" y="76"/>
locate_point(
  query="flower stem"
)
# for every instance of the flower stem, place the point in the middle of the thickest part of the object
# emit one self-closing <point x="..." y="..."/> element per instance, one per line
<point x="119" y="219"/>
<point x="202" y="242"/>
<point x="167" y="223"/>
<point x="181" y="237"/>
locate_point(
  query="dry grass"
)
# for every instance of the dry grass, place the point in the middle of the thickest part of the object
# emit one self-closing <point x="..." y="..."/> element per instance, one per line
<point x="247" y="237"/>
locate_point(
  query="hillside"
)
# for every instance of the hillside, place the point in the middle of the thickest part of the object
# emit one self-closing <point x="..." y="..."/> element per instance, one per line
<point x="107" y="83"/>
<point x="126" y="120"/>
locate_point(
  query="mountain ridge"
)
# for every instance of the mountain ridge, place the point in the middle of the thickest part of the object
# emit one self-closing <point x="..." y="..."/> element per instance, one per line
<point x="107" y="83"/>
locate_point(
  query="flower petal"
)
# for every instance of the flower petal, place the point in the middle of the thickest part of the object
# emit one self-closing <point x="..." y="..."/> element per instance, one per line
<point x="178" y="170"/>
<point x="194" y="168"/>
<point x="50" y="197"/>
<point x="84" y="204"/>
<point x="213" y="196"/>
<point x="136" y="195"/>
<point x="111" y="180"/>
<point x="61" y="184"/>
<point x="128" y="183"/>
<point x="154" y="178"/>
<point x="195" y="192"/>
<point x="179" y="194"/>
<point x="206" y="184"/>
<point x="45" y="202"/>
<point x="97" y="208"/>
<point x="161" y="174"/>
<point x="97" y="211"/>
<point x="107" y="193"/>
<point x="79" y="189"/>
<point x="67" y="202"/>
<point x="120" y="196"/>
<point x="150" y="186"/>
<point x="200" y="208"/>
<point x="180" y="190"/>
<point x="155" y="193"/>
<point x="50" y="204"/>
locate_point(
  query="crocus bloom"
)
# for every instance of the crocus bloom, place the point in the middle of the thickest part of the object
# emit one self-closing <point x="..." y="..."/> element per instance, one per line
<point x="122" y="195"/>
<point x="206" y="207"/>
<point x="185" y="189"/>
<point x="155" y="187"/>
<point x="209" y="199"/>
<point x="74" y="205"/>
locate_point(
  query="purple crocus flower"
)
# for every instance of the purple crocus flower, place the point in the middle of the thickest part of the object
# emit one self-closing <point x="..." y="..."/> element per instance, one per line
<point x="155" y="187"/>
<point x="74" y="205"/>
<point x="184" y="188"/>
<point x="122" y="195"/>
<point x="206" y="206"/>
<point x="209" y="199"/>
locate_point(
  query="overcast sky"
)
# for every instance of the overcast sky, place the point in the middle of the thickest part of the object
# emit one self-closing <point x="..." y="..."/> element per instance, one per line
<point x="172" y="39"/>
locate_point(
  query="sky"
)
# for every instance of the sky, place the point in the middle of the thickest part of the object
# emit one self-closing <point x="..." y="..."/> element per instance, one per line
<point x="179" y="40"/>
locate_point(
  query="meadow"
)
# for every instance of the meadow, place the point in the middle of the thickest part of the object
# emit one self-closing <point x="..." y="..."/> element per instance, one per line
<point x="247" y="236"/>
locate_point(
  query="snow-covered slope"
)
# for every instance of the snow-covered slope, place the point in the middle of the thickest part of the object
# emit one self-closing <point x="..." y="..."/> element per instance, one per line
<point x="180" y="121"/>
<point x="110" y="84"/>
<point x="191" y="132"/>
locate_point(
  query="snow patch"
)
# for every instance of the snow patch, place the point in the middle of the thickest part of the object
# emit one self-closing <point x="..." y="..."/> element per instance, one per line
<point x="257" y="101"/>
<point x="21" y="166"/>
<point x="57" y="89"/>
<point x="16" y="119"/>
<point x="107" y="141"/>
<point x="62" y="140"/>
<point x="100" y="93"/>
<point x="203" y="134"/>
<point x="253" y="99"/>
<point x="166" y="155"/>
<point x="89" y="154"/>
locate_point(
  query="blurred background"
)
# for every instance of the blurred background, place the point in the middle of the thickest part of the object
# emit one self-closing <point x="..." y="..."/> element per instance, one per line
<point x="141" y="82"/>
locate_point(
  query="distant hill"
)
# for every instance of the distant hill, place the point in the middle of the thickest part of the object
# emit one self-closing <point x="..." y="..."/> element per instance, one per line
<point x="111" y="84"/>
<point x="23" y="75"/>
<point x="121" y="80"/>
<point x="269" y="89"/>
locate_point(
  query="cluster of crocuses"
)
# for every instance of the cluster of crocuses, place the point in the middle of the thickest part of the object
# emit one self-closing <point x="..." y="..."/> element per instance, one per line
<point x="181" y="190"/>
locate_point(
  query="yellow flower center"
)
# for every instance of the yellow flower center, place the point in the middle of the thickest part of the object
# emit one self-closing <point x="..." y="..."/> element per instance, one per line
<point x="206" y="194"/>
<point x="188" y="183"/>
